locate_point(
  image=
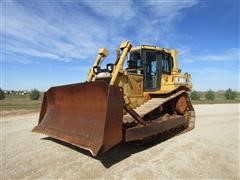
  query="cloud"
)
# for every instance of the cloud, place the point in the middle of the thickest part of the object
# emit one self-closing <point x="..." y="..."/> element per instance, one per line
<point x="112" y="9"/>
<point x="167" y="10"/>
<point x="229" y="55"/>
<point x="26" y="33"/>
<point x="67" y="31"/>
<point x="155" y="21"/>
<point x="232" y="54"/>
<point x="32" y="52"/>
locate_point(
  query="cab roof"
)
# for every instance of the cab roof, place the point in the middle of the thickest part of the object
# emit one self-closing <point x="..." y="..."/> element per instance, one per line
<point x="150" y="47"/>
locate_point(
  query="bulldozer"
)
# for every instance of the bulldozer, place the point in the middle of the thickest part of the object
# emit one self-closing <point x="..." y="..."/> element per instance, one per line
<point x="123" y="102"/>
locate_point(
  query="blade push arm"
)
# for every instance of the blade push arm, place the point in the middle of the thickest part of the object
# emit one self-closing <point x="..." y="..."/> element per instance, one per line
<point x="102" y="53"/>
<point x="125" y="47"/>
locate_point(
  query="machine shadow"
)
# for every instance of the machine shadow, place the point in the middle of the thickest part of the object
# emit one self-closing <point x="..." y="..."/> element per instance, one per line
<point x="120" y="151"/>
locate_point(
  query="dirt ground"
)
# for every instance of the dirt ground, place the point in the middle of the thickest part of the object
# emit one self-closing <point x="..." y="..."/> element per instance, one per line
<point x="211" y="150"/>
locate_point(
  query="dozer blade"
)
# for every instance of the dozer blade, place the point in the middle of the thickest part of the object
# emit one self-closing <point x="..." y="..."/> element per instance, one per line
<point x="88" y="115"/>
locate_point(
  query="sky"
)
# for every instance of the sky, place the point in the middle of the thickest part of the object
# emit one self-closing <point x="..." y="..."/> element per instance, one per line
<point x="49" y="43"/>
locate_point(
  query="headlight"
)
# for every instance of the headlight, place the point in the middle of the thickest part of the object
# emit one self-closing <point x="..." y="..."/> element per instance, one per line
<point x="110" y="67"/>
<point x="96" y="69"/>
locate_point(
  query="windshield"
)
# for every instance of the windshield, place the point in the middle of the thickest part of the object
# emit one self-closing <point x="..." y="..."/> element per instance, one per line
<point x="167" y="63"/>
<point x="135" y="60"/>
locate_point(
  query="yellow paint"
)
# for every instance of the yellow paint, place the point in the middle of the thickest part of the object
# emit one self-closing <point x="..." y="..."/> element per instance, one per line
<point x="102" y="53"/>
<point x="132" y="84"/>
<point x="125" y="47"/>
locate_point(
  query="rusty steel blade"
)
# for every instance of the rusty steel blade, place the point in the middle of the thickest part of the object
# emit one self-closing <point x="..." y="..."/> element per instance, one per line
<point x="88" y="115"/>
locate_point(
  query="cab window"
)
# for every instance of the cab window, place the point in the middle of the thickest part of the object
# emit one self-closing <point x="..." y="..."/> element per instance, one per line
<point x="135" y="60"/>
<point x="167" y="63"/>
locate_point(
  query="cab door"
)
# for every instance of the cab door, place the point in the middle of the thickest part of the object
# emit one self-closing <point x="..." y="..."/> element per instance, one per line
<point x="152" y="70"/>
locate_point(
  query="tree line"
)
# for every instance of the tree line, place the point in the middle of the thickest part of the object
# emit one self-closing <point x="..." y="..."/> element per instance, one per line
<point x="229" y="94"/>
<point x="33" y="94"/>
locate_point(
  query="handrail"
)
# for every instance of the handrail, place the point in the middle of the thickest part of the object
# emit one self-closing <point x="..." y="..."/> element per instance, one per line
<point x="102" y="53"/>
<point x="125" y="47"/>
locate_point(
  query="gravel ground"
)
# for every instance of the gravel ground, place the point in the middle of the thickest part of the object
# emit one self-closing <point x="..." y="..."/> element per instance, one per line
<point x="211" y="150"/>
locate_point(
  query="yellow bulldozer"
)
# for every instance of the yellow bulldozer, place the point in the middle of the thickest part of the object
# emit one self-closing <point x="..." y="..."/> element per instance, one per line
<point x="146" y="97"/>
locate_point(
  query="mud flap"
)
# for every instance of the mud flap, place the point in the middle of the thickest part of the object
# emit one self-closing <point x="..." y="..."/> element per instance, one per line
<point x="88" y="115"/>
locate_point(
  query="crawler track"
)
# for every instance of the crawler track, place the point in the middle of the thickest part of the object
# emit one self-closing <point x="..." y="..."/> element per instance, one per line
<point x="157" y="102"/>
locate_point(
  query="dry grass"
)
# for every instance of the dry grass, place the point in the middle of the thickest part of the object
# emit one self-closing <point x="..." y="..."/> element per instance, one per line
<point x="17" y="102"/>
<point x="216" y="101"/>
